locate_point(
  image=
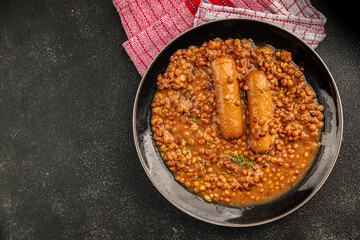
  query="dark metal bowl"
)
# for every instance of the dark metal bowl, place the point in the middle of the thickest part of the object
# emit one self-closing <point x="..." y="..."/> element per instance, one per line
<point x="317" y="75"/>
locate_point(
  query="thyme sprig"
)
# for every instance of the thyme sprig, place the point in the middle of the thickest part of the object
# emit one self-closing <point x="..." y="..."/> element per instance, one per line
<point x="241" y="161"/>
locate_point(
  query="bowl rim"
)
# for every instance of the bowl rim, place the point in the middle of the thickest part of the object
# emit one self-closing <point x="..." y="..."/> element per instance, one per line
<point x="341" y="122"/>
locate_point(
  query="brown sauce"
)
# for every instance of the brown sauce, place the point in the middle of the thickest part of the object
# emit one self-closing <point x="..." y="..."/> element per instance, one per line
<point x="185" y="123"/>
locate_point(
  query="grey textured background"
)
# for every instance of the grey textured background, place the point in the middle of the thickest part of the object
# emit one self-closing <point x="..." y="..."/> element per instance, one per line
<point x="68" y="165"/>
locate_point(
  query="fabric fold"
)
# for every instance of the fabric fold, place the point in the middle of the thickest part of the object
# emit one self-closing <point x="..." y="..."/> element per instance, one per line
<point x="150" y="25"/>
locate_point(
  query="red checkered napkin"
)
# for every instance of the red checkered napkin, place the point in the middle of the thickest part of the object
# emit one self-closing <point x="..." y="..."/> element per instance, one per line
<point x="297" y="16"/>
<point x="151" y="24"/>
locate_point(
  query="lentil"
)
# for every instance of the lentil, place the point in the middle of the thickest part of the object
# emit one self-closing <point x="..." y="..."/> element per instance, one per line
<point x="185" y="123"/>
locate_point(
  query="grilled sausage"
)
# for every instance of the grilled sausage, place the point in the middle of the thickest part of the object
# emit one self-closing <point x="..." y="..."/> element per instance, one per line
<point x="227" y="97"/>
<point x="261" y="111"/>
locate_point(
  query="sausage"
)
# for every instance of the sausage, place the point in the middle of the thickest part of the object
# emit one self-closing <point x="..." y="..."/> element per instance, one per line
<point x="261" y="111"/>
<point x="227" y="97"/>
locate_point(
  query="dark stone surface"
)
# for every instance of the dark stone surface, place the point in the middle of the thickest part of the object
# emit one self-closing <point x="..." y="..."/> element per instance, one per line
<point x="68" y="165"/>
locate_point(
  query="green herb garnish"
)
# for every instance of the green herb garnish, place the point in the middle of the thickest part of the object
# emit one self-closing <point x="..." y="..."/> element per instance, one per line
<point x="260" y="90"/>
<point x="241" y="161"/>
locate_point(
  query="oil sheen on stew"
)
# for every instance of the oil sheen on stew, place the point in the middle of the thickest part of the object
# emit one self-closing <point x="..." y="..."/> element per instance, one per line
<point x="236" y="124"/>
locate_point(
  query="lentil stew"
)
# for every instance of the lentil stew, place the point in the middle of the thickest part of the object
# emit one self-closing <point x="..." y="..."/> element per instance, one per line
<point x="185" y="123"/>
